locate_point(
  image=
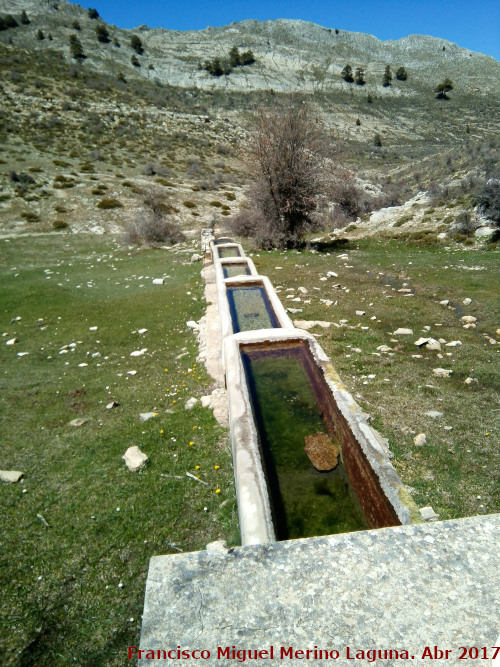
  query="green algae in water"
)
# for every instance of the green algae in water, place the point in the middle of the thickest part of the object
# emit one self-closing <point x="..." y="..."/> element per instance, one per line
<point x="233" y="270"/>
<point x="306" y="502"/>
<point x="250" y="309"/>
<point x="228" y="252"/>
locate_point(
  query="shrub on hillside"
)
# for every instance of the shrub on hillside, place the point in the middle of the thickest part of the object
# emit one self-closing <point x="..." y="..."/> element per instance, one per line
<point x="136" y="44"/>
<point x="489" y="200"/>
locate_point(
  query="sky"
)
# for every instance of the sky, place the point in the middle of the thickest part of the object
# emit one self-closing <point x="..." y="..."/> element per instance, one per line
<point x="472" y="24"/>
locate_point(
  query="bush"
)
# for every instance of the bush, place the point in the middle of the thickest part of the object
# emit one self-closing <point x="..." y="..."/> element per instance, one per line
<point x="76" y="25"/>
<point x="92" y="13"/>
<point x="377" y="140"/>
<point x="136" y="44"/>
<point x="109" y="202"/>
<point x="346" y="74"/>
<point x="39" y="35"/>
<point x="60" y="224"/>
<point x="8" y="21"/>
<point x="76" y="48"/>
<point x="247" y="223"/>
<point x="464" y="224"/>
<point x="189" y="204"/>
<point x="401" y="74"/>
<point x="134" y="61"/>
<point x="24" y="18"/>
<point x="102" y="33"/>
<point x="489" y="200"/>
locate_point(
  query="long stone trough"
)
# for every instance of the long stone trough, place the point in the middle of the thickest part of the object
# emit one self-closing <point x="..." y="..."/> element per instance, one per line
<point x="401" y="593"/>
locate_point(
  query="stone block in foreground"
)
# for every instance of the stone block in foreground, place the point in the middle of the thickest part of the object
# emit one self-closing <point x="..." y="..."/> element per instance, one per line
<point x="404" y="588"/>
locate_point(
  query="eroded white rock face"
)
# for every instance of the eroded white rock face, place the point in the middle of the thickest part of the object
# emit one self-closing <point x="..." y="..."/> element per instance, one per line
<point x="135" y="459"/>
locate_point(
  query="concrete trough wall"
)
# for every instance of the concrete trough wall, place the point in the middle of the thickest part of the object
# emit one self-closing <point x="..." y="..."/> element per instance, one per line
<point x="243" y="262"/>
<point x="364" y="452"/>
<point x="375" y="481"/>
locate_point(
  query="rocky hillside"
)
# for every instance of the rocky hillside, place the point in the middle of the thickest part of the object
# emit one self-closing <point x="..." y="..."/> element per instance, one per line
<point x="92" y="114"/>
<point x="290" y="55"/>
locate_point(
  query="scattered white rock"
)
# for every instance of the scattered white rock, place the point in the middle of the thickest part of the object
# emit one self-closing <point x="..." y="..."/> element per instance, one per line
<point x="445" y="302"/>
<point x="218" y="548"/>
<point x="360" y="313"/>
<point x="138" y="353"/>
<point x="433" y="344"/>
<point x="22" y="354"/>
<point x="92" y="328"/>
<point x="145" y="416"/>
<point x="434" y="414"/>
<point x="141" y="331"/>
<point x="469" y="319"/>
<point x="189" y="405"/>
<point x="131" y="372"/>
<point x="454" y="343"/>
<point x="302" y="290"/>
<point x="134" y="459"/>
<point x="206" y="401"/>
<point x="421" y="342"/>
<point x="384" y="348"/>
<point x="10" y="476"/>
<point x="193" y="325"/>
<point x="113" y="404"/>
<point x="82" y="365"/>
<point x="467" y="301"/>
<point x="332" y="274"/>
<point x="420" y="440"/>
<point x="468" y="381"/>
<point x="196" y="257"/>
<point x="442" y="372"/>
<point x="403" y="332"/>
<point x="79" y="421"/>
<point x="158" y="281"/>
<point x="12" y="341"/>
<point x="428" y="514"/>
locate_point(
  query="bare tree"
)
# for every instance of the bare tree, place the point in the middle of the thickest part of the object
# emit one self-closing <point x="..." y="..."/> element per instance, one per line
<point x="286" y="160"/>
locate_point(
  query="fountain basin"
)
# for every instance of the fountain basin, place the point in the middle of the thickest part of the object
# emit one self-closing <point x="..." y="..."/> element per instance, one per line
<point x="376" y="487"/>
<point x="248" y="303"/>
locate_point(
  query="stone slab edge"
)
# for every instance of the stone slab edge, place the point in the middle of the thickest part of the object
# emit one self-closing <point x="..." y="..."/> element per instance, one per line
<point x="407" y="587"/>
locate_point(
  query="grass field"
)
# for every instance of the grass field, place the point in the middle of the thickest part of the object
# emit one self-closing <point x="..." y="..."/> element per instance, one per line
<point x="456" y="471"/>
<point x="73" y="591"/>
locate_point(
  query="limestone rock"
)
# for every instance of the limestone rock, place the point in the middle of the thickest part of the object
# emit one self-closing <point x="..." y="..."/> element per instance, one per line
<point x="433" y="414"/>
<point x="113" y="404"/>
<point x="218" y="548"/>
<point x="79" y="421"/>
<point x="205" y="401"/>
<point x="469" y="319"/>
<point x="196" y="257"/>
<point x="321" y="451"/>
<point x="428" y="514"/>
<point x="433" y="344"/>
<point x="302" y="290"/>
<point x="422" y="341"/>
<point x="10" y="476"/>
<point x="420" y="440"/>
<point x="192" y="325"/>
<point x="454" y="343"/>
<point x="158" y="281"/>
<point x="138" y="353"/>
<point x="134" y="459"/>
<point x="442" y="372"/>
<point x="12" y="341"/>
<point x="189" y="405"/>
<point x="470" y="381"/>
<point x="445" y="302"/>
<point x="403" y="332"/>
<point x="467" y="301"/>
<point x="144" y="416"/>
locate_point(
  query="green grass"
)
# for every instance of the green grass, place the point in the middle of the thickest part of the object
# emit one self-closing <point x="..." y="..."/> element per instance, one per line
<point x="455" y="466"/>
<point x="73" y="592"/>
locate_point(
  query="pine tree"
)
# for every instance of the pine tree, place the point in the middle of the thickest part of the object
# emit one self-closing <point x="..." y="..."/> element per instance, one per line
<point x="444" y="87"/>
<point x="76" y="25"/>
<point x="346" y="74"/>
<point x="76" y="48"/>
<point x="92" y="13"/>
<point x="39" y="35"/>
<point x="135" y="61"/>
<point x="102" y="33"/>
<point x="24" y="18"/>
<point x="387" y="78"/>
<point x="359" y="76"/>
<point x="136" y="44"/>
<point x="234" y="57"/>
<point x="401" y="74"/>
